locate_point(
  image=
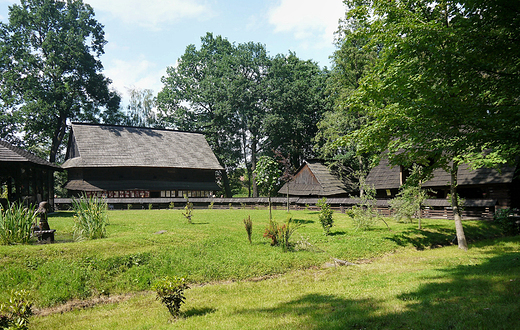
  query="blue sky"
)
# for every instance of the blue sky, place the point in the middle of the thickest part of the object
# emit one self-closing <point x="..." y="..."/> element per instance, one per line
<point x="146" y="36"/>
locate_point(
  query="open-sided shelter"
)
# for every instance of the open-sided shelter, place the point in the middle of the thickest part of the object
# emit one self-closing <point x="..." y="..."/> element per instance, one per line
<point x="314" y="179"/>
<point x="501" y="188"/>
<point x="136" y="162"/>
<point x="27" y="177"/>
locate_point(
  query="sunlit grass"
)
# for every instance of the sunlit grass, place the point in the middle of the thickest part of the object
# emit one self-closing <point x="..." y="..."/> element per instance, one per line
<point x="144" y="245"/>
<point x="443" y="288"/>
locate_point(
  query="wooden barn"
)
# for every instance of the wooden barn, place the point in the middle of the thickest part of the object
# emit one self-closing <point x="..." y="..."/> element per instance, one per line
<point x="27" y="178"/>
<point x="133" y="162"/>
<point x="314" y="179"/>
<point x="480" y="186"/>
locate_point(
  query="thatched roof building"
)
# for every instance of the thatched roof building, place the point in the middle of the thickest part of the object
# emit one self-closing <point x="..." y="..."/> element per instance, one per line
<point x="314" y="179"/>
<point x="123" y="161"/>
<point x="484" y="183"/>
<point x="27" y="177"/>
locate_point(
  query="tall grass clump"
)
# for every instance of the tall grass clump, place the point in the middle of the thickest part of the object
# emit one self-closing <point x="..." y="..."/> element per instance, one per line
<point x="248" y="224"/>
<point x="90" y="219"/>
<point x="15" y="223"/>
<point x="285" y="232"/>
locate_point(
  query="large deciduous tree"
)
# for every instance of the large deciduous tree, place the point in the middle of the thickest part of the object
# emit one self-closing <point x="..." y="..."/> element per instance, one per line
<point x="444" y="89"/>
<point x="245" y="102"/>
<point x="195" y="98"/>
<point x="51" y="70"/>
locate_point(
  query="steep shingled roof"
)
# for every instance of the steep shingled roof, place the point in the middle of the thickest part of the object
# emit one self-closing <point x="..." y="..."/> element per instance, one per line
<point x="10" y="153"/>
<point x="314" y="179"/>
<point x="93" y="145"/>
<point x="383" y="176"/>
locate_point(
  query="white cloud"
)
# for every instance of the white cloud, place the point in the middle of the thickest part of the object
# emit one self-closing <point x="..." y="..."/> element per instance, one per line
<point x="152" y="13"/>
<point x="308" y="19"/>
<point x="139" y="73"/>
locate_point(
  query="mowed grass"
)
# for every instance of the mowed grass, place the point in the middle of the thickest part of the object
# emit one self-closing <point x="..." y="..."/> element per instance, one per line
<point x="444" y="288"/>
<point x="144" y="245"/>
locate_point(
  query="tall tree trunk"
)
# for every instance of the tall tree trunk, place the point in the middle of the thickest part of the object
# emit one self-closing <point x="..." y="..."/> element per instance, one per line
<point x="253" y="163"/>
<point x="57" y="139"/>
<point x="225" y="182"/>
<point x="461" y="238"/>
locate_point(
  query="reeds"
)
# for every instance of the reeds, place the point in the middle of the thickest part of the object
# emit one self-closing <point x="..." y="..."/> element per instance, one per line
<point x="15" y="224"/>
<point x="91" y="218"/>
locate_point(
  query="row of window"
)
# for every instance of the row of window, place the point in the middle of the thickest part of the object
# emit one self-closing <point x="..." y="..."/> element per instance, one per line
<point x="147" y="194"/>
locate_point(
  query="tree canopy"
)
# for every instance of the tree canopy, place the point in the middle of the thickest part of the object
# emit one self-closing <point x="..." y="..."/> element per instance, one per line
<point x="246" y="102"/>
<point x="443" y="90"/>
<point x="50" y="70"/>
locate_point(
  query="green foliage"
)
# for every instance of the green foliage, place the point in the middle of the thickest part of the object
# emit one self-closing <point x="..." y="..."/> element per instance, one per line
<point x="150" y="206"/>
<point x="188" y="210"/>
<point x="171" y="206"/>
<point x="266" y="175"/>
<point x="248" y="224"/>
<point x="140" y="108"/>
<point x="286" y="230"/>
<point x="90" y="219"/>
<point x="272" y="232"/>
<point x="16" y="224"/>
<point x="408" y="203"/>
<point x="325" y="216"/>
<point x="509" y="224"/>
<point x="210" y="205"/>
<point x="51" y="70"/>
<point x="129" y="206"/>
<point x="15" y="314"/>
<point x="170" y="291"/>
<point x="365" y="215"/>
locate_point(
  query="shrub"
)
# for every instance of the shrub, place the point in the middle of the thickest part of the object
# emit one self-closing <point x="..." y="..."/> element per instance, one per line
<point x="15" y="224"/>
<point x="150" y="206"/>
<point x="325" y="215"/>
<point x="91" y="218"/>
<point x="285" y="232"/>
<point x="171" y="206"/>
<point x="170" y="291"/>
<point x="15" y="315"/>
<point x="507" y="222"/>
<point x="271" y="232"/>
<point x="408" y="203"/>
<point x="365" y="214"/>
<point x="188" y="210"/>
<point x="249" y="228"/>
<point x="210" y="206"/>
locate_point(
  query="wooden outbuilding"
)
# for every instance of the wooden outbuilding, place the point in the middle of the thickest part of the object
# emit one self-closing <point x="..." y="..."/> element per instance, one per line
<point x="135" y="162"/>
<point x="500" y="188"/>
<point x="314" y="179"/>
<point x="27" y="177"/>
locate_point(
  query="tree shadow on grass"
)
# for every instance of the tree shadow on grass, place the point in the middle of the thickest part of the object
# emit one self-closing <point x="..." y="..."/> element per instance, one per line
<point x="199" y="311"/>
<point x="434" y="236"/>
<point x="483" y="296"/>
<point x="303" y="222"/>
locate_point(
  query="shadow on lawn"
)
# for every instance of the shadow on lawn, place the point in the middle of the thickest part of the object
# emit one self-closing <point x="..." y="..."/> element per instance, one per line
<point x="484" y="296"/>
<point x="433" y="236"/>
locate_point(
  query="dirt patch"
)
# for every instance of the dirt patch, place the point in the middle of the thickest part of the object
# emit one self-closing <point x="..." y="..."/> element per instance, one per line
<point x="82" y="304"/>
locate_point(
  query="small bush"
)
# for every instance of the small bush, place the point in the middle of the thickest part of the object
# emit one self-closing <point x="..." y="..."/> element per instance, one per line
<point x="210" y="206"/>
<point x="271" y="232"/>
<point x="15" y="315"/>
<point x="249" y="228"/>
<point x="150" y="206"/>
<point x="171" y="206"/>
<point x="285" y="232"/>
<point x="188" y="210"/>
<point x="325" y="215"/>
<point x="128" y="206"/>
<point x="170" y="291"/>
<point x="507" y="222"/>
<point x="365" y="215"/>
<point x="15" y="224"/>
<point x="91" y="218"/>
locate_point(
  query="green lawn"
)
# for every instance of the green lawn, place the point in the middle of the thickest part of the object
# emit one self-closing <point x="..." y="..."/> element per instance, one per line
<point x="400" y="282"/>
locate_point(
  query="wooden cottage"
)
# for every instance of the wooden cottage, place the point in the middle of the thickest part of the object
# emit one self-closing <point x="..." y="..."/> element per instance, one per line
<point x="480" y="186"/>
<point x="133" y="162"/>
<point x="27" y="177"/>
<point x="314" y="179"/>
